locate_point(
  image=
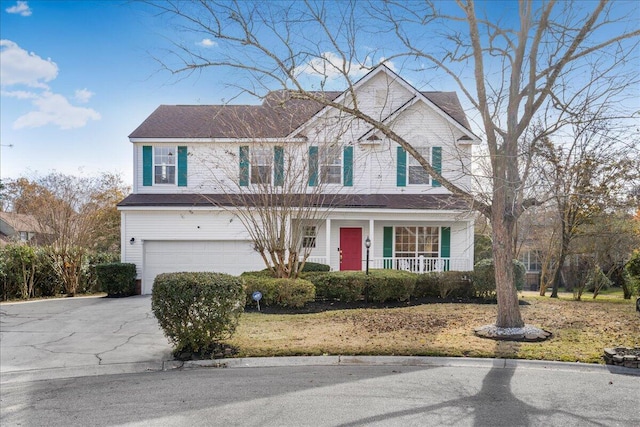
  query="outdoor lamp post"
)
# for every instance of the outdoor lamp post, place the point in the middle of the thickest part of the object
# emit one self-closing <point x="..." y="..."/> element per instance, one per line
<point x="367" y="243"/>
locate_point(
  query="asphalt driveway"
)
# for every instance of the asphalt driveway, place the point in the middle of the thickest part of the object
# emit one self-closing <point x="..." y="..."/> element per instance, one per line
<point x="80" y="336"/>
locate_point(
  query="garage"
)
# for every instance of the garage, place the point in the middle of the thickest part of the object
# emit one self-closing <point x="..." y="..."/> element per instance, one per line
<point x="222" y="256"/>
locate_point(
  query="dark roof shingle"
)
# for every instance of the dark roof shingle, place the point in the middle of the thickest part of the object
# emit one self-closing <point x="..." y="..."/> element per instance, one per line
<point x="278" y="116"/>
<point x="377" y="201"/>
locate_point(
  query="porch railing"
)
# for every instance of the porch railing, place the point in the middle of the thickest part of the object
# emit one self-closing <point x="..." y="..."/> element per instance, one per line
<point x="417" y="265"/>
<point x="421" y="264"/>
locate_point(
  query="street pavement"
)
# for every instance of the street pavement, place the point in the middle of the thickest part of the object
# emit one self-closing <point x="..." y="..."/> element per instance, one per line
<point x="99" y="361"/>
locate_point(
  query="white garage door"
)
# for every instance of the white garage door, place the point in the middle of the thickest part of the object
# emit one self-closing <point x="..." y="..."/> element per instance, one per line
<point x="221" y="256"/>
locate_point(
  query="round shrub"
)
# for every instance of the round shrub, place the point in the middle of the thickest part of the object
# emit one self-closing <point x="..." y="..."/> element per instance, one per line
<point x="282" y="292"/>
<point x="346" y="286"/>
<point x="484" y="277"/>
<point x="427" y="285"/>
<point x="197" y="310"/>
<point x="389" y="285"/>
<point x="117" y="279"/>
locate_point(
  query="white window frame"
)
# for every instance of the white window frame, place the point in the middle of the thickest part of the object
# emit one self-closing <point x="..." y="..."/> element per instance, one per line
<point x="259" y="159"/>
<point x="415" y="252"/>
<point x="334" y="153"/>
<point x="165" y="161"/>
<point x="309" y="236"/>
<point x="419" y="172"/>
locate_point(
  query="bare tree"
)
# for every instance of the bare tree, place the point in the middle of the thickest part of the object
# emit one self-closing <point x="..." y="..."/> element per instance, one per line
<point x="545" y="59"/>
<point x="280" y="198"/>
<point x="588" y="173"/>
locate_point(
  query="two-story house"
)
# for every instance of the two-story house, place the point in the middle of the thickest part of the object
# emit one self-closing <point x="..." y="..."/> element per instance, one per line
<point x="188" y="159"/>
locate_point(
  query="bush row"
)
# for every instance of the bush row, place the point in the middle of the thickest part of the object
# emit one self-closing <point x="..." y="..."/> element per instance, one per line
<point x="29" y="271"/>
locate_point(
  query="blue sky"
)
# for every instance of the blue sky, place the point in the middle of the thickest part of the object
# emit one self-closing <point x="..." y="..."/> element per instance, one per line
<point x="79" y="76"/>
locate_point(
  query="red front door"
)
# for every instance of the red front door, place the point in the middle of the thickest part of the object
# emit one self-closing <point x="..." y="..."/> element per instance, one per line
<point x="351" y="248"/>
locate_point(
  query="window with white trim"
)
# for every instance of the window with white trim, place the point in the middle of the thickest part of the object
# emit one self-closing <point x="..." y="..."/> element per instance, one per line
<point x="309" y="237"/>
<point x="411" y="242"/>
<point x="532" y="260"/>
<point x="164" y="165"/>
<point x="261" y="165"/>
<point x="415" y="172"/>
<point x="330" y="164"/>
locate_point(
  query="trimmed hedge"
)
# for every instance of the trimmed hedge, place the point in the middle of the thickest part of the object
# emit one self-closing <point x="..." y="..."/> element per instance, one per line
<point x="346" y="286"/>
<point x="197" y="310"/>
<point x="116" y="279"/>
<point x="389" y="285"/>
<point x="445" y="284"/>
<point x="484" y="277"/>
<point x="283" y="292"/>
<point x="315" y="266"/>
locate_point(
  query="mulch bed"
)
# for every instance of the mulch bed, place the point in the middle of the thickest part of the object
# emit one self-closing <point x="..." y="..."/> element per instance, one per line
<point x="320" y="306"/>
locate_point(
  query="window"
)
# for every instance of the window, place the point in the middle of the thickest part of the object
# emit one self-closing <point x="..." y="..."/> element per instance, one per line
<point x="417" y="174"/>
<point x="24" y="236"/>
<point x="164" y="165"/>
<point x="309" y="237"/>
<point x="532" y="260"/>
<point x="261" y="165"/>
<point x="330" y="162"/>
<point x="411" y="242"/>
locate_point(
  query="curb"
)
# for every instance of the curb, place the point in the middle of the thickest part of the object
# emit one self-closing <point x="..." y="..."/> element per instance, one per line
<point x="435" y="362"/>
<point x="301" y="361"/>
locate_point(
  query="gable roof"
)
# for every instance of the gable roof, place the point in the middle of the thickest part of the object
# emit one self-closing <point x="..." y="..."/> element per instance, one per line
<point x="278" y="116"/>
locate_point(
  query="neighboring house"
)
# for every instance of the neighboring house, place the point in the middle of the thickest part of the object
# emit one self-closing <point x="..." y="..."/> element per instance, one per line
<point x="178" y="217"/>
<point x="18" y="228"/>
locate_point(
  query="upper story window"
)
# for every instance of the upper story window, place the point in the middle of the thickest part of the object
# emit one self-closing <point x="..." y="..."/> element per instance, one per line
<point x="416" y="173"/>
<point x="261" y="165"/>
<point x="330" y="162"/>
<point x="164" y="165"/>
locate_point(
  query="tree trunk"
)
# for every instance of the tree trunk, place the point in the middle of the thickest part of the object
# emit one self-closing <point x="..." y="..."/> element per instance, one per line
<point x="557" y="275"/>
<point x="508" y="309"/>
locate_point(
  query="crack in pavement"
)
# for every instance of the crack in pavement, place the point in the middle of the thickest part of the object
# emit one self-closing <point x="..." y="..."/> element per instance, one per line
<point x="114" y="348"/>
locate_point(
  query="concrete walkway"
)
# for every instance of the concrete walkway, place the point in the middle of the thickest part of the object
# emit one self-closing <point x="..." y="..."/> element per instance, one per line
<point x="75" y="337"/>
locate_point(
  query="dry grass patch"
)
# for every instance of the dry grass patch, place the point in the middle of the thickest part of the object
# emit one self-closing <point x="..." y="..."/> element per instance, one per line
<point x="581" y="331"/>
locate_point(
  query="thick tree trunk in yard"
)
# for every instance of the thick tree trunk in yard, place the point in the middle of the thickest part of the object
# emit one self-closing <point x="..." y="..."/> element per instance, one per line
<point x="503" y="226"/>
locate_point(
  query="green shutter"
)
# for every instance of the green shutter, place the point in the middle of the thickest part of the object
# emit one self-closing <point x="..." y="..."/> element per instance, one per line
<point x="313" y="166"/>
<point x="445" y="243"/>
<point x="244" y="166"/>
<point x="278" y="161"/>
<point x="401" y="170"/>
<point x="147" y="165"/>
<point x="348" y="166"/>
<point x="387" y="246"/>
<point x="436" y="162"/>
<point x="182" y="166"/>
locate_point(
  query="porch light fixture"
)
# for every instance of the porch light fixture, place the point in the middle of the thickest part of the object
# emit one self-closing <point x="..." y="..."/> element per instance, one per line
<point x="367" y="243"/>
<point x="132" y="240"/>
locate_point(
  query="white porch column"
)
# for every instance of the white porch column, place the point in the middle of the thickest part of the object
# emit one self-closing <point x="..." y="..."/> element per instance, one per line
<point x="327" y="231"/>
<point x="371" y="237"/>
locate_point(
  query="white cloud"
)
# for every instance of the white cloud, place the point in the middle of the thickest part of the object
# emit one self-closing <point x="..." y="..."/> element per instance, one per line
<point x="207" y="43"/>
<point x="19" y="94"/>
<point x="329" y="65"/>
<point x="17" y="66"/>
<point x="21" y="8"/>
<point x="83" y="95"/>
<point x="55" y="109"/>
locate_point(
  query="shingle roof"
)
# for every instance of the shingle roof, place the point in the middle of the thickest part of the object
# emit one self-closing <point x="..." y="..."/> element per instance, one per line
<point x="377" y="201"/>
<point x="276" y="117"/>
